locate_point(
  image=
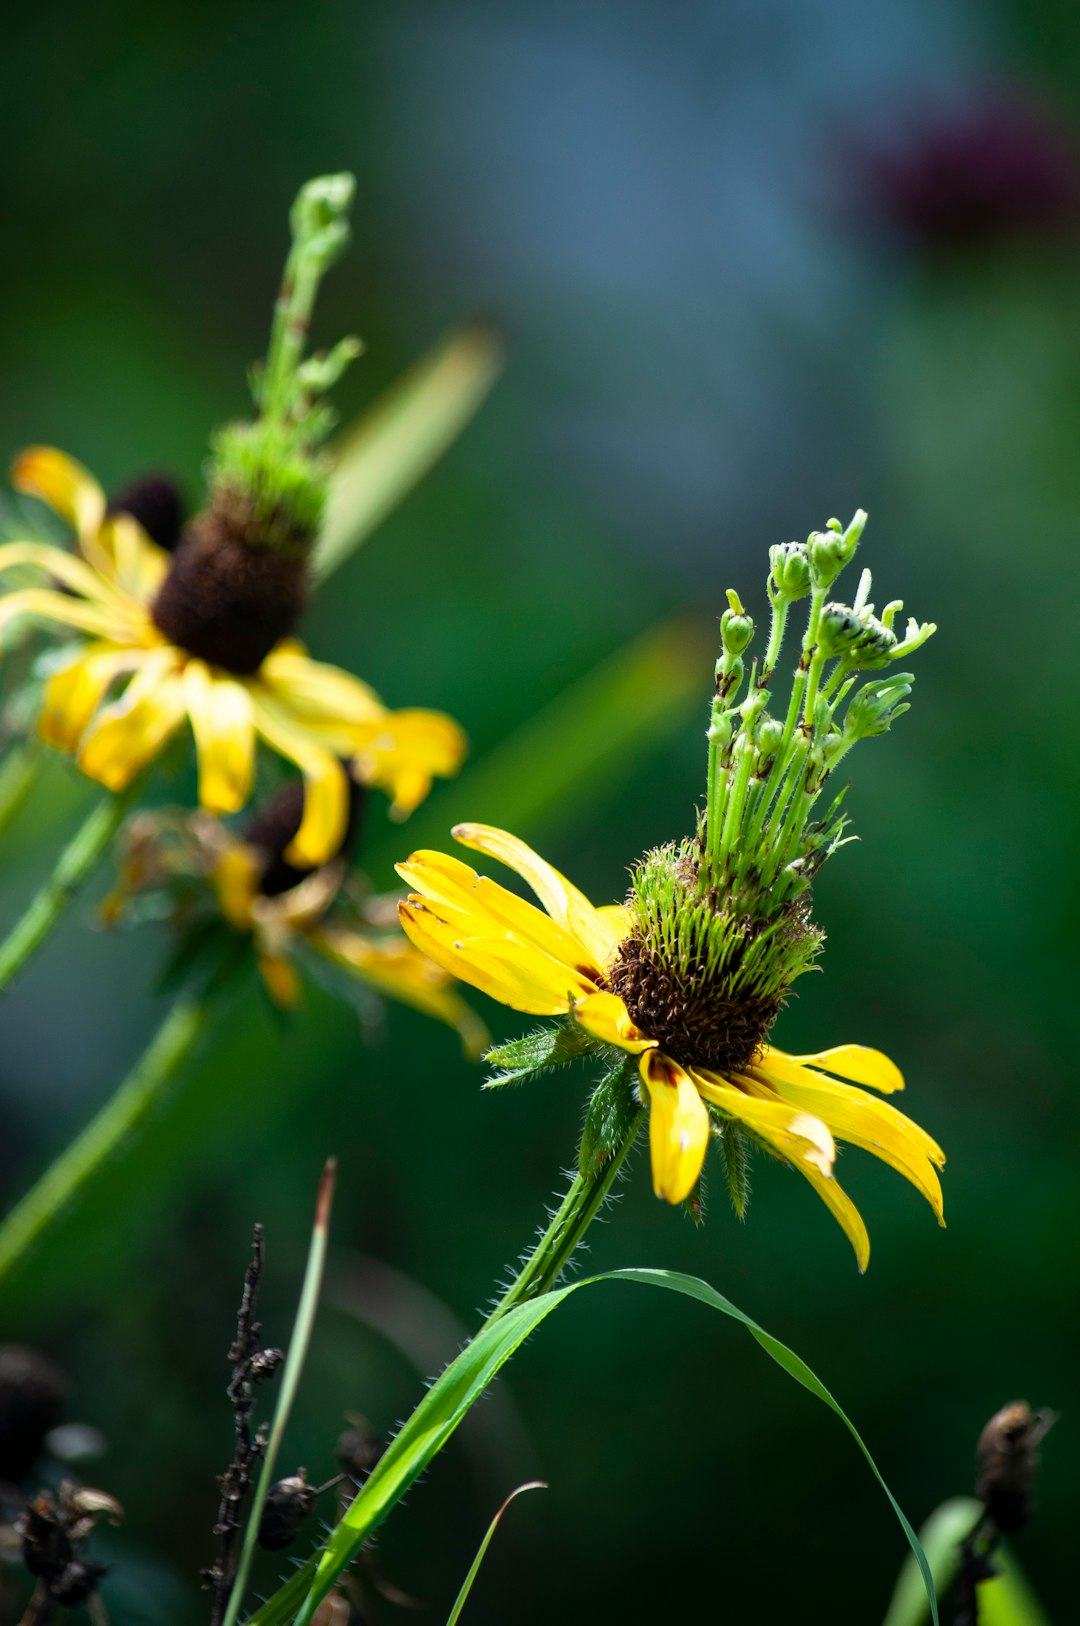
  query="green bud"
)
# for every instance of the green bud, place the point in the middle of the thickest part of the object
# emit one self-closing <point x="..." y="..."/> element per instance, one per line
<point x="856" y="635"/>
<point x="318" y="218"/>
<point x="877" y="705"/>
<point x="831" y="549"/>
<point x="789" y="575"/>
<point x="736" y="627"/>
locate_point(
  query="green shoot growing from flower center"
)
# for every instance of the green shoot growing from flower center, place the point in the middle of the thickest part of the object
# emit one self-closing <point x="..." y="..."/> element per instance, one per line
<point x="722" y="922"/>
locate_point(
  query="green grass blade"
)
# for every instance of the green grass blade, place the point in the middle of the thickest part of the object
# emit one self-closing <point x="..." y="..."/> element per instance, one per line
<point x="474" y="1568"/>
<point x="395" y="443"/>
<point x="1006" y="1601"/>
<point x="449" y="1399"/>
<point x="290" y="1380"/>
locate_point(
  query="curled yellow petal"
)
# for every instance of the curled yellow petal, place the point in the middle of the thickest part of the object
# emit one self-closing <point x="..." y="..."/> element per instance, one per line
<point x="46" y="605"/>
<point x="223" y="725"/>
<point x="326" y="785"/>
<point x="74" y="693"/>
<point x="858" y="1063"/>
<point x="316" y="691"/>
<point x="69" y="489"/>
<point x="404" y="751"/>
<point x="678" y="1126"/>
<point x="562" y="900"/>
<point x="842" y="1209"/>
<point x="63" y="567"/>
<point x="606" y="1017"/>
<point x="523" y="979"/>
<point x="793" y="1134"/>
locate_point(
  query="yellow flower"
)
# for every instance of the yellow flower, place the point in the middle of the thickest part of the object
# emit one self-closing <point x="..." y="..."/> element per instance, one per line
<point x="116" y="703"/>
<point x="558" y="961"/>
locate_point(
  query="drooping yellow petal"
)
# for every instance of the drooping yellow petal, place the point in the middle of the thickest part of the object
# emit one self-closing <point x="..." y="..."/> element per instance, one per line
<point x="678" y="1126"/>
<point x="562" y="900"/>
<point x="795" y="1135"/>
<point x="69" y="489"/>
<point x="138" y="565"/>
<point x="862" y="1119"/>
<point x="47" y="605"/>
<point x="606" y="1017"/>
<point x="221" y="720"/>
<point x="130" y="732"/>
<point x="396" y="968"/>
<point x="326" y="785"/>
<point x="73" y="694"/>
<point x="483" y="908"/>
<point x="236" y="878"/>
<point x="404" y="751"/>
<point x="522" y="979"/>
<point x="857" y="1063"/>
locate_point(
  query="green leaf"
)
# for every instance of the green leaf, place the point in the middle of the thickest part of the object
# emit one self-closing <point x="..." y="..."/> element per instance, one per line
<point x="534" y="1484"/>
<point x="611" y="1108"/>
<point x="1006" y="1601"/>
<point x="463" y="1382"/>
<point x="538" y="1052"/>
<point x="395" y="443"/>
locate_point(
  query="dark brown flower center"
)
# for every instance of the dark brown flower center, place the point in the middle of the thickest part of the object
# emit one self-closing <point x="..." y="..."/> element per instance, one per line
<point x="273" y="827"/>
<point x="698" y="1025"/>
<point x="228" y="597"/>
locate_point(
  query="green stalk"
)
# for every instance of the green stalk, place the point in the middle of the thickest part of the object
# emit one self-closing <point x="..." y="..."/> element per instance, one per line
<point x="128" y="1109"/>
<point x="73" y="866"/>
<point x="553" y="1252"/>
<point x="17" y="777"/>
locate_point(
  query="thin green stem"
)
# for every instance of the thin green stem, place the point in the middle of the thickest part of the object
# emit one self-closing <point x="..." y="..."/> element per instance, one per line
<point x="17" y="777"/>
<point x="87" y="1155"/>
<point x="553" y="1252"/>
<point x="73" y="866"/>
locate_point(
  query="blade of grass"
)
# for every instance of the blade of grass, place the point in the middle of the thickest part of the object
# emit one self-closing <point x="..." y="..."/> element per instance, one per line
<point x="474" y="1568"/>
<point x="450" y="1398"/>
<point x="395" y="443"/>
<point x="290" y="1380"/>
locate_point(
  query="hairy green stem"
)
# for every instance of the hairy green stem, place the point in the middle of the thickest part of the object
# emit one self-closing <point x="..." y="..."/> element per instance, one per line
<point x="553" y="1252"/>
<point x="73" y="866"/>
<point x="87" y="1155"/>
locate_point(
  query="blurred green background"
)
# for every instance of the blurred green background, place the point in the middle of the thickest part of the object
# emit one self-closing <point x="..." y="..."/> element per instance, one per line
<point x="755" y="265"/>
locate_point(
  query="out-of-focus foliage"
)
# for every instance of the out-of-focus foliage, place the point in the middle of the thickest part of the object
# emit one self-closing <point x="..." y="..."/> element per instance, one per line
<point x="714" y="341"/>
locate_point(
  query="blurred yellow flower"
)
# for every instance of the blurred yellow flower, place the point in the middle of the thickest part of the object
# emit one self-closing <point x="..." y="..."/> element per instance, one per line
<point x="116" y="703"/>
<point x="559" y="961"/>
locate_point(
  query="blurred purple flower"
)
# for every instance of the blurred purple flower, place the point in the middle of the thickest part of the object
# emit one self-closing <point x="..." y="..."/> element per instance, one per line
<point x="994" y="171"/>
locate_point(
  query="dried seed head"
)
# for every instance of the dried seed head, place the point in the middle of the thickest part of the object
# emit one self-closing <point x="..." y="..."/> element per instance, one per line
<point x="155" y="503"/>
<point x="288" y="1504"/>
<point x="273" y="826"/>
<point x="1007" y="1459"/>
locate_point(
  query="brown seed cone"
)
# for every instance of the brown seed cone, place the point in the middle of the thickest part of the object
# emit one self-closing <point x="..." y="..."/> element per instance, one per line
<point x="229" y="597"/>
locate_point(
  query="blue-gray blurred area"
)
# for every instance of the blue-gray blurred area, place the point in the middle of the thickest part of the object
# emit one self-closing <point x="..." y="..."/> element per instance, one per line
<point x="755" y="264"/>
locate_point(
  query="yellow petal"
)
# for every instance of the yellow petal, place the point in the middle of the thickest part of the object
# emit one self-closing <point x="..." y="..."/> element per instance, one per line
<point x="404" y="751"/>
<point x="607" y="1018"/>
<point x="483" y="908"/>
<point x="396" y="968"/>
<point x="282" y="983"/>
<point x="678" y="1126"/>
<point x="326" y="785"/>
<point x="562" y="900"/>
<point x="874" y="1125"/>
<point x="73" y="694"/>
<point x="221" y="720"/>
<point x="236" y="878"/>
<point x="858" y="1063"/>
<point x="137" y="565"/>
<point x="63" y="567"/>
<point x="795" y="1135"/>
<point x="69" y="490"/>
<point x="524" y="982"/>
<point x="47" y="605"/>
<point x="128" y="734"/>
<point x="316" y="691"/>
